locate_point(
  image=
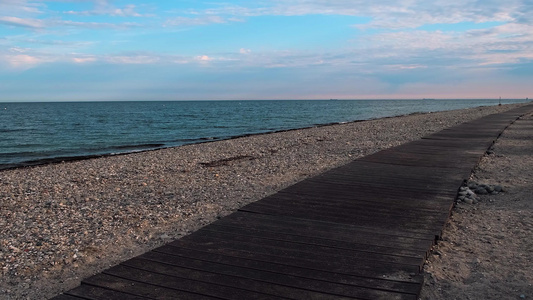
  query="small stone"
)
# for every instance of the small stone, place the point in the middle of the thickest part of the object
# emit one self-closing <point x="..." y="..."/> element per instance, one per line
<point x="468" y="201"/>
<point x="498" y="188"/>
<point x="489" y="189"/>
<point x="472" y="185"/>
<point x="481" y="191"/>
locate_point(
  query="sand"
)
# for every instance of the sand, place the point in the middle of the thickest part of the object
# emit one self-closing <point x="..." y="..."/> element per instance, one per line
<point x="64" y="222"/>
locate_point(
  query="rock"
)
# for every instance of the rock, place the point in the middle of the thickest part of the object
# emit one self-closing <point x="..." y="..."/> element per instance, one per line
<point x="481" y="191"/>
<point x="472" y="185"/>
<point x="498" y="188"/>
<point x="469" y="201"/>
<point x="489" y="188"/>
<point x="463" y="193"/>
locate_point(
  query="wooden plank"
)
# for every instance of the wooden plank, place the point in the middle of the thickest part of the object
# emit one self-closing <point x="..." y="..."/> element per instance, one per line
<point x="274" y="284"/>
<point x="145" y="287"/>
<point x="425" y="157"/>
<point x="309" y="261"/>
<point x="86" y="291"/>
<point x="326" y="230"/>
<point x="306" y="240"/>
<point x="409" y="198"/>
<point x="219" y="263"/>
<point x="348" y="212"/>
<point x="363" y="204"/>
<point x="174" y="283"/>
<point x="230" y="238"/>
<point x="378" y="221"/>
<point x="309" y="253"/>
<point x="352" y="212"/>
<point x="361" y="172"/>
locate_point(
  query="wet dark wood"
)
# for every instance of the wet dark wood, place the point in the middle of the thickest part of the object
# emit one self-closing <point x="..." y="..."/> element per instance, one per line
<point x="360" y="231"/>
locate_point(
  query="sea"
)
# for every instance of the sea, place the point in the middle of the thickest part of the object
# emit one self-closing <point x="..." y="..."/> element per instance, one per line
<point x="33" y="133"/>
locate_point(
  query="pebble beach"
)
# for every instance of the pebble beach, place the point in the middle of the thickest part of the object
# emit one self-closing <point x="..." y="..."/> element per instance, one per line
<point x="63" y="222"/>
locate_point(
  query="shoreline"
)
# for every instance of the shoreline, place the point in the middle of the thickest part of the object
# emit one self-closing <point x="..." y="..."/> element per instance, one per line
<point x="66" y="221"/>
<point x="202" y="140"/>
<point x="99" y="153"/>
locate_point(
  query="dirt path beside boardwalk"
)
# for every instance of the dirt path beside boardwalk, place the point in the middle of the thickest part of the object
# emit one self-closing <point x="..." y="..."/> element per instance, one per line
<point x="487" y="248"/>
<point x="64" y="222"/>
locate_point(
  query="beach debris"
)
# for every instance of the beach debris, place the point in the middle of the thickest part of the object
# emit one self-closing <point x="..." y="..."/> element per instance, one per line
<point x="469" y="192"/>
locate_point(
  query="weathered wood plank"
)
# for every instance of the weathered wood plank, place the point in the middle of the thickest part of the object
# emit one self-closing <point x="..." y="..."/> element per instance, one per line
<point x="327" y="230"/>
<point x="223" y="263"/>
<point x="261" y="282"/>
<point x="308" y="240"/>
<point x="86" y="291"/>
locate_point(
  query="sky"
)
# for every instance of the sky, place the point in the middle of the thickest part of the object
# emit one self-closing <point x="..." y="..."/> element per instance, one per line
<point x="81" y="50"/>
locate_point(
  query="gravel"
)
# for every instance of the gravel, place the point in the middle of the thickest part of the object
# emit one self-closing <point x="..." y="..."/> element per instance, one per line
<point x="64" y="222"/>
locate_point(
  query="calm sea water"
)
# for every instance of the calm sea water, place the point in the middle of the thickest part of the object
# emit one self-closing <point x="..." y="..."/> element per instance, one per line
<point x="32" y="133"/>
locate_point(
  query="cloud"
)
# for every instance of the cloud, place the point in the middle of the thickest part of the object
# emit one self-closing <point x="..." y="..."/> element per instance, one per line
<point x="15" y="7"/>
<point x="23" y="61"/>
<point x="20" y="22"/>
<point x="82" y="60"/>
<point x="245" y="51"/>
<point x="93" y="25"/>
<point x="407" y="67"/>
<point x="203" y="58"/>
<point x="106" y="8"/>
<point x="42" y="24"/>
<point x="186" y="21"/>
<point x="137" y="59"/>
<point x="388" y="14"/>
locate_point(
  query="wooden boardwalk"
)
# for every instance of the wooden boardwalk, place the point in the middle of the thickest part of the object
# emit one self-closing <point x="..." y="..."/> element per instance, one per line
<point x="360" y="231"/>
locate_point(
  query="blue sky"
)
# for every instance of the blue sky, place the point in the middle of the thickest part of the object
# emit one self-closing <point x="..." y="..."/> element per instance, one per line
<point x="291" y="49"/>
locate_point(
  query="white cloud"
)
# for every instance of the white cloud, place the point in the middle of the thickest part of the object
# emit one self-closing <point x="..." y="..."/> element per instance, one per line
<point x="106" y="8"/>
<point x="24" y="7"/>
<point x="384" y="14"/>
<point x="82" y="60"/>
<point x="245" y="51"/>
<point x="21" y="22"/>
<point x="19" y="50"/>
<point x="132" y="59"/>
<point x="203" y="58"/>
<point x="407" y="67"/>
<point x="93" y="25"/>
<point x="204" y="20"/>
<point x="24" y="61"/>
